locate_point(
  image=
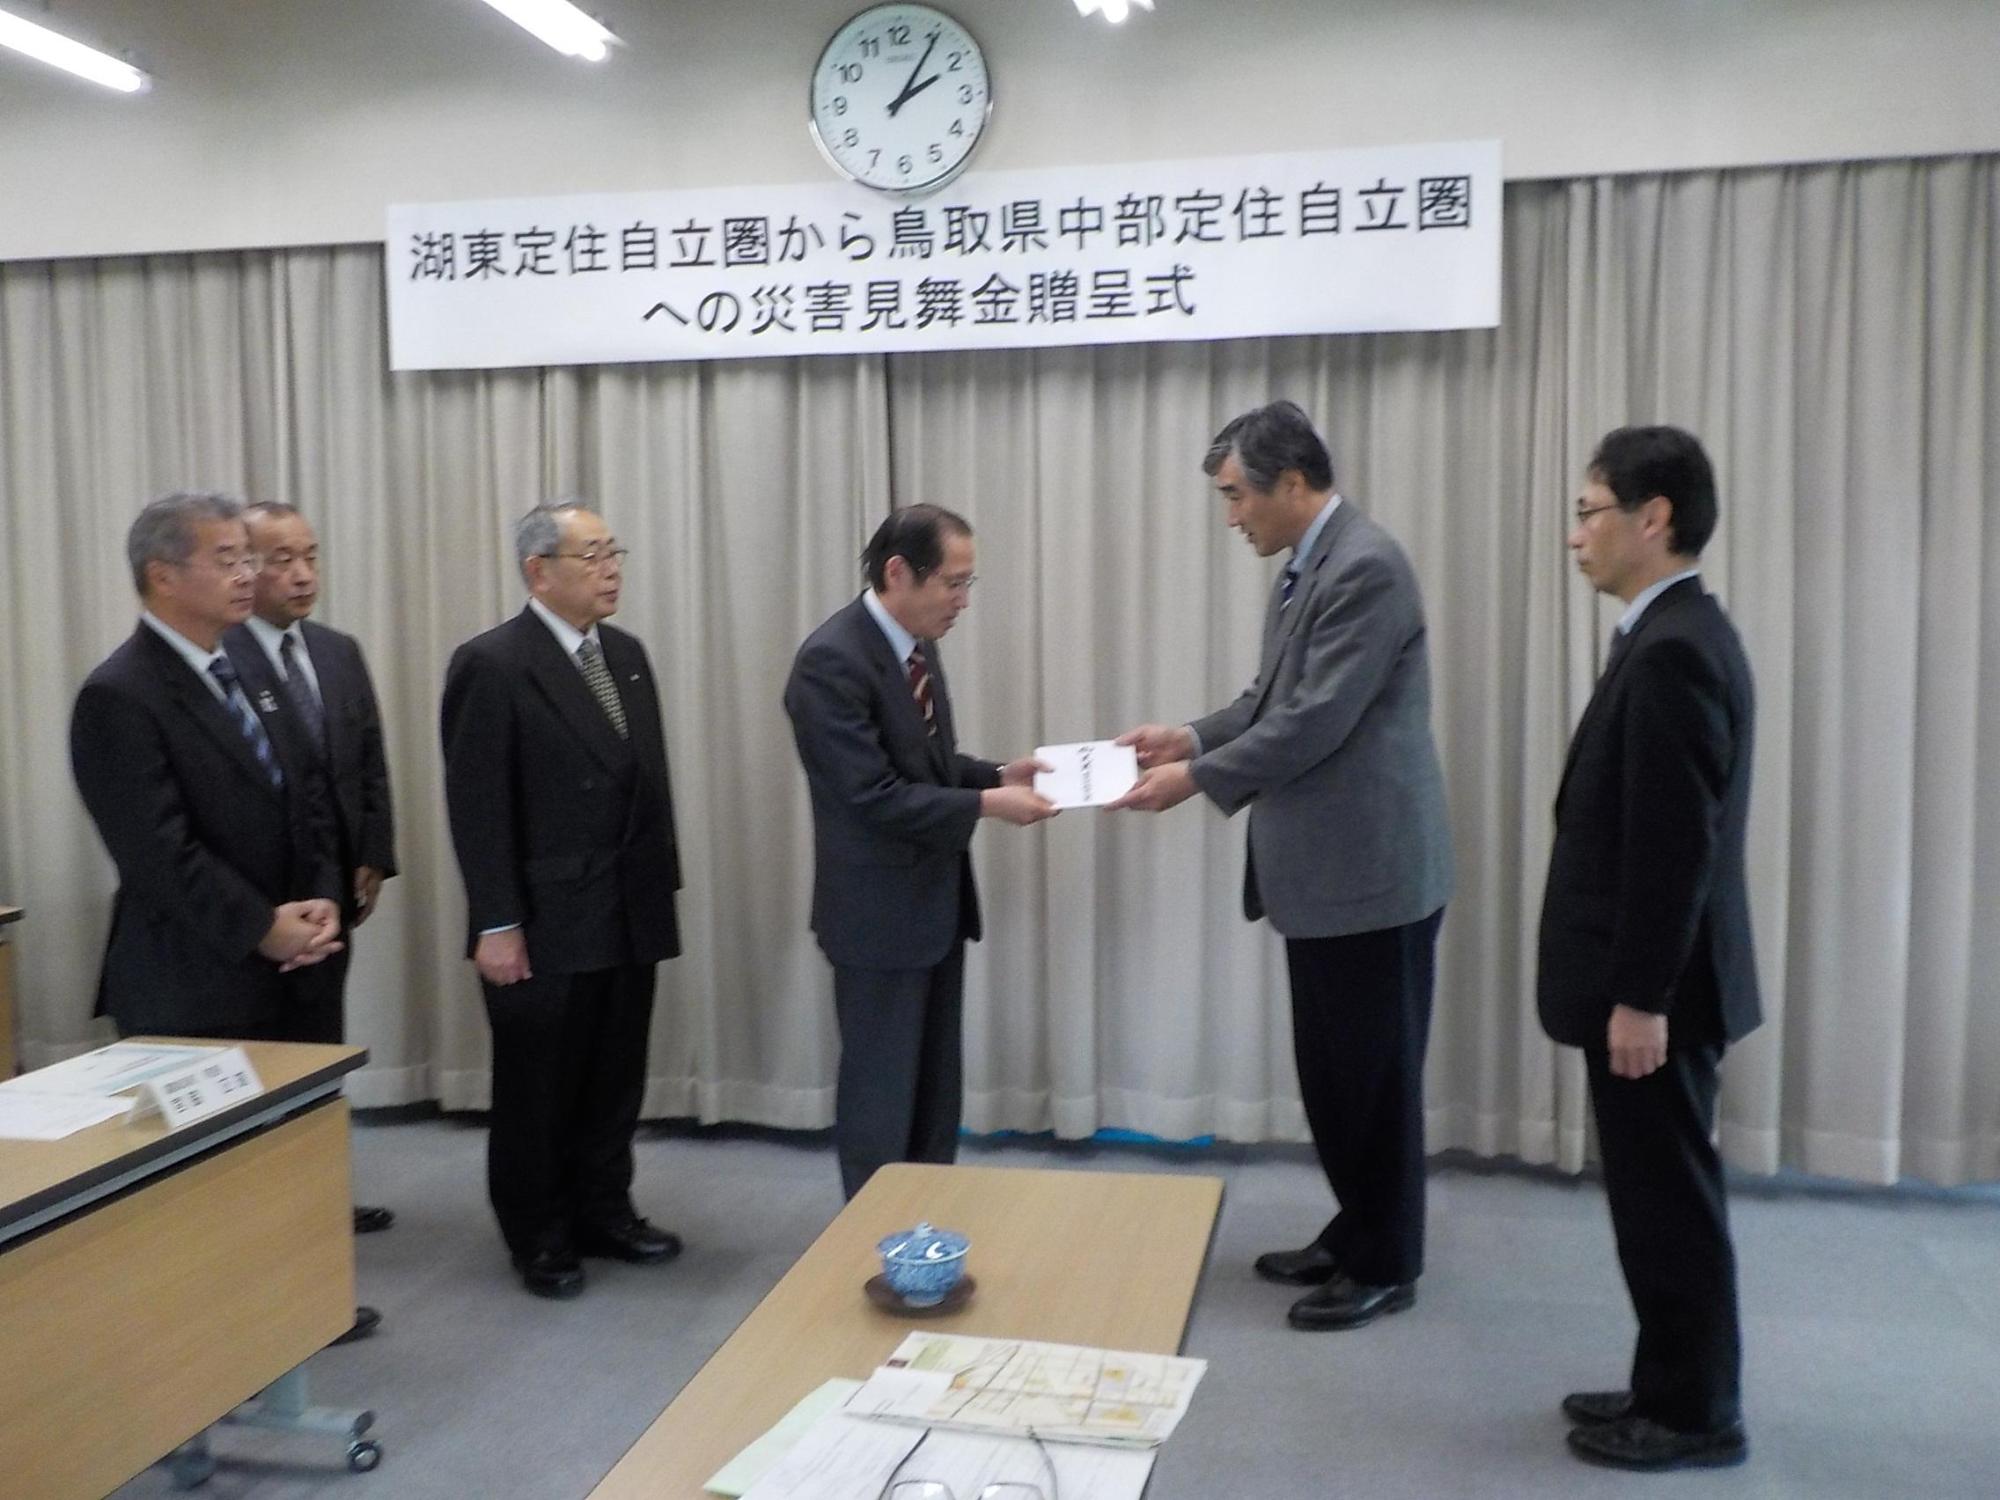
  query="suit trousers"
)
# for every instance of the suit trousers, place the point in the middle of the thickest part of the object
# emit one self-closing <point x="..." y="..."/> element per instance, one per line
<point x="1361" y="1019"/>
<point x="569" y="1071"/>
<point x="1663" y="1181"/>
<point x="901" y="1087"/>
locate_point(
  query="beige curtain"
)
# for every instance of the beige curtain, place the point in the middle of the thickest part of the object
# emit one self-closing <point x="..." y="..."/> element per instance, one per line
<point x="1829" y="330"/>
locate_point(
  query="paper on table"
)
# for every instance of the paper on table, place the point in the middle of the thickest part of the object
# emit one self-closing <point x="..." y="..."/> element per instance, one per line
<point x="742" y="1471"/>
<point x="108" y="1070"/>
<point x="851" y="1458"/>
<point x="1061" y="1391"/>
<point x="28" y="1116"/>
<point x="1088" y="774"/>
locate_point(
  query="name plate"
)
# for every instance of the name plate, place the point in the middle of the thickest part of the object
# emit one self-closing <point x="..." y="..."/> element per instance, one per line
<point x="201" y="1089"/>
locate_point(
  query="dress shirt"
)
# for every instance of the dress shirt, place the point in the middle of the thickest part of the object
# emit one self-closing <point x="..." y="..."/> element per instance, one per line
<point x="192" y="654"/>
<point x="900" y="640"/>
<point x="272" y="639"/>
<point x="1646" y="596"/>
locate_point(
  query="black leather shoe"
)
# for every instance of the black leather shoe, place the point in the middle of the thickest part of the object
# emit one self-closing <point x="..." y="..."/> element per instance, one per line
<point x="366" y="1321"/>
<point x="1312" y="1266"/>
<point x="551" y="1273"/>
<point x="372" y="1220"/>
<point x="1642" y="1443"/>
<point x="1595" y="1408"/>
<point x="634" y="1240"/>
<point x="1346" y="1303"/>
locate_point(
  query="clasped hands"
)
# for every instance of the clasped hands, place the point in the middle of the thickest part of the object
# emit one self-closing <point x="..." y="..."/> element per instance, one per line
<point x="302" y="933"/>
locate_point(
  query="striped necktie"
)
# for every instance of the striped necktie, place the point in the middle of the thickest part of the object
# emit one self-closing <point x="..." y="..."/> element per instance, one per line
<point x="223" y="670"/>
<point x="920" y="687"/>
<point x="590" y="656"/>
<point x="1287" y="581"/>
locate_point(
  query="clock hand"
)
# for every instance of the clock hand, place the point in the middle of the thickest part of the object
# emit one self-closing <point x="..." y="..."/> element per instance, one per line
<point x="909" y="92"/>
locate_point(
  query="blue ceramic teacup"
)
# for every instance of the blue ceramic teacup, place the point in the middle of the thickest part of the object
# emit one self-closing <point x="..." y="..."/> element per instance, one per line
<point x="923" y="1264"/>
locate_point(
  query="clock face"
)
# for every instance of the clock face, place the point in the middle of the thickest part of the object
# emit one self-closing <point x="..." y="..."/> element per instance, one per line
<point x="899" y="98"/>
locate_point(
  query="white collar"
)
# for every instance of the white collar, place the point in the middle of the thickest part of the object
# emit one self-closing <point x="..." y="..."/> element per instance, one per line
<point x="567" y="635"/>
<point x="1647" y="595"/>
<point x="900" y="640"/>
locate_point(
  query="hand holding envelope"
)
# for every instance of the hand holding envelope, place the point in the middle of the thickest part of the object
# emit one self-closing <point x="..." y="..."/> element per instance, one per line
<point x="1093" y="773"/>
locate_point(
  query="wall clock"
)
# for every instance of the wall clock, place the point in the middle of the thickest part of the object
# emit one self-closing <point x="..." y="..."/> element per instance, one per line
<point x="900" y="97"/>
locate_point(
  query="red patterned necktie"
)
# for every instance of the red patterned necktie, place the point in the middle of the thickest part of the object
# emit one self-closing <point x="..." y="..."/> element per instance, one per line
<point x="920" y="687"/>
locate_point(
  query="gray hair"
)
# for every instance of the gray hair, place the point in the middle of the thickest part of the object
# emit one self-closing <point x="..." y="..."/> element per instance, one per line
<point x="539" y="532"/>
<point x="1268" y="441"/>
<point x="165" y="530"/>
<point x="277" y="510"/>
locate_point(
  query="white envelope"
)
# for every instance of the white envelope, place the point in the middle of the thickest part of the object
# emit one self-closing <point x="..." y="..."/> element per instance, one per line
<point x="1088" y="774"/>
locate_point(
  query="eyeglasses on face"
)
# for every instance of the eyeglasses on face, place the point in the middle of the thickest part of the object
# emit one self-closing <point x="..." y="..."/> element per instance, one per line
<point x="227" y="564"/>
<point x="1585" y="512"/>
<point x="597" y="559"/>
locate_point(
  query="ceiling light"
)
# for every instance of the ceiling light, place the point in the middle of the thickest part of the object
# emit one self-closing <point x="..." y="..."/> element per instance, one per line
<point x="559" y="24"/>
<point x="72" y="57"/>
<point x="1114" y="10"/>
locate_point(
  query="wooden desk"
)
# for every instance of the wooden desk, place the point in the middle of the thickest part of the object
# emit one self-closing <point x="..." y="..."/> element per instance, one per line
<point x="151" y="1282"/>
<point x="1103" y="1258"/>
<point x="10" y="1037"/>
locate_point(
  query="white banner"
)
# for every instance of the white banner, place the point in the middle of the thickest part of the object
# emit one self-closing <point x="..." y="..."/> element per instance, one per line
<point x="1381" y="239"/>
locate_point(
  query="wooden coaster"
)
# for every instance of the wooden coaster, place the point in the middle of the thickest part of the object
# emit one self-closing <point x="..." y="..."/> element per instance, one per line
<point x="880" y="1293"/>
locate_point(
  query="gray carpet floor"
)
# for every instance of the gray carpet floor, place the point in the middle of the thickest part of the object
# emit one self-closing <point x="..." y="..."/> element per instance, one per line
<point x="1872" y="1329"/>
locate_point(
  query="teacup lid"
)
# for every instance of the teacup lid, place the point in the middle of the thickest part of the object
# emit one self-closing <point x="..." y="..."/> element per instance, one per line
<point x="924" y="1243"/>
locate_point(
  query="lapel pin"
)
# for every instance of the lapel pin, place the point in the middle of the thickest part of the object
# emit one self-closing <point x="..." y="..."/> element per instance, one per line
<point x="266" y="704"/>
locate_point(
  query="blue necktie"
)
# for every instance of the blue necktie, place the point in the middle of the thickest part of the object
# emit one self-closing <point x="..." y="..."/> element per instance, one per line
<point x="224" y="671"/>
<point x="1287" y="581"/>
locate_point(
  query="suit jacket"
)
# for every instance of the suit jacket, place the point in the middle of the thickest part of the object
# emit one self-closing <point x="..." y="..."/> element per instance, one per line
<point x="1330" y="748"/>
<point x="894" y="806"/>
<point x="352" y="758"/>
<point x="1647" y="904"/>
<point x="561" y="827"/>
<point x="205" y="846"/>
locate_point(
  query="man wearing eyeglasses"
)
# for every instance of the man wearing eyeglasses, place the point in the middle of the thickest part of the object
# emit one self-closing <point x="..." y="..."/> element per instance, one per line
<point x="196" y="789"/>
<point x="561" y="812"/>
<point x="895" y="803"/>
<point x="1645" y="953"/>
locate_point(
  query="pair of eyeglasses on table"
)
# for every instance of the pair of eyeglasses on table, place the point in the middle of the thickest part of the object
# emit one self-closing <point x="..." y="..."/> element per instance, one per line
<point x="900" y="1487"/>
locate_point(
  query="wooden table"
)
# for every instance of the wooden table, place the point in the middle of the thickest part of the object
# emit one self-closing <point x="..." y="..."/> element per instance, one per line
<point x="1102" y="1258"/>
<point x="10" y="1041"/>
<point x="151" y="1282"/>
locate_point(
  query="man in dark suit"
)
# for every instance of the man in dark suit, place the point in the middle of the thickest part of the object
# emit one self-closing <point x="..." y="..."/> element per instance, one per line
<point x="1646" y="959"/>
<point x="195" y="787"/>
<point x="894" y="807"/>
<point x="1349" y="847"/>
<point x="557" y="787"/>
<point x="318" y="676"/>
<point x="227" y="910"/>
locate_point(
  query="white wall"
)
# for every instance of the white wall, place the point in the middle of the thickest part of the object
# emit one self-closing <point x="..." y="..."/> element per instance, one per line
<point x="296" y="121"/>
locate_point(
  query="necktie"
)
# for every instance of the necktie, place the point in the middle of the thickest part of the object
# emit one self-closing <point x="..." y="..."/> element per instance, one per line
<point x="591" y="658"/>
<point x="920" y="687"/>
<point x="224" y="671"/>
<point x="1287" y="581"/>
<point x="299" y="691"/>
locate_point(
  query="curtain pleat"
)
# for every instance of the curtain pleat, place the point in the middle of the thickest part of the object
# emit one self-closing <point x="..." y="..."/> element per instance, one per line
<point x="1829" y="330"/>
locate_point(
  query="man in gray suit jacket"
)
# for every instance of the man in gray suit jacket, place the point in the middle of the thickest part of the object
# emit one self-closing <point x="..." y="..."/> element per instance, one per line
<point x="1350" y="852"/>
